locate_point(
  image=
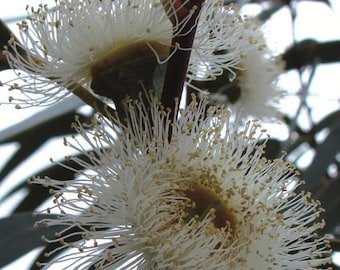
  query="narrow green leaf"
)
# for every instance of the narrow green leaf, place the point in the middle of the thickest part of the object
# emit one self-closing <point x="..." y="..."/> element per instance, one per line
<point x="324" y="156"/>
<point x="330" y="201"/>
<point x="310" y="51"/>
<point x="63" y="107"/>
<point x="17" y="236"/>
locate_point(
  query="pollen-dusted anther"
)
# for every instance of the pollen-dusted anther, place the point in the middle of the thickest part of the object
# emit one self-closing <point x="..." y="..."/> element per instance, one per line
<point x="179" y="10"/>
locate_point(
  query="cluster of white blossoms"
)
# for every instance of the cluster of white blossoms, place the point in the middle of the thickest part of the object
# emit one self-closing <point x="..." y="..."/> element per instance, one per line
<point x="182" y="189"/>
<point x="207" y="199"/>
<point x="74" y="41"/>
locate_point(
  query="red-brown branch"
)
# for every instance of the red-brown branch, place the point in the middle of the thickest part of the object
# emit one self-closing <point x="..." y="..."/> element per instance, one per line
<point x="177" y="65"/>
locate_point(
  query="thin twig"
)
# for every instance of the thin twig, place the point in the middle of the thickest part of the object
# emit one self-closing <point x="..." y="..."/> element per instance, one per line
<point x="93" y="101"/>
<point x="177" y="65"/>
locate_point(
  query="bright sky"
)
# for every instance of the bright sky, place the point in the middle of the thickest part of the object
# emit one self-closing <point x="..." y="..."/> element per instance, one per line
<point x="325" y="88"/>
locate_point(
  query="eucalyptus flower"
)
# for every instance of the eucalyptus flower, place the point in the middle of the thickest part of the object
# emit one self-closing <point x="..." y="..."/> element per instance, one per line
<point x="204" y="199"/>
<point x="102" y="44"/>
<point x="255" y="91"/>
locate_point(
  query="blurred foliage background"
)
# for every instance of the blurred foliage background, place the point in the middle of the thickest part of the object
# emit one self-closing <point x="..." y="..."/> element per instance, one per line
<point x="309" y="136"/>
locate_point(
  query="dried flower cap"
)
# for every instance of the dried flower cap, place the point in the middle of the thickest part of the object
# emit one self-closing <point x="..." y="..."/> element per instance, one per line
<point x="205" y="200"/>
<point x="76" y="40"/>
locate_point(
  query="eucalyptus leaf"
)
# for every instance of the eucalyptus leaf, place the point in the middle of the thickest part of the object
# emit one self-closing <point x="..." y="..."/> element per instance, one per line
<point x="324" y="156"/>
<point x="17" y="235"/>
<point x="37" y="193"/>
<point x="330" y="200"/>
<point x="33" y="139"/>
<point x="327" y="121"/>
<point x="309" y="51"/>
<point x="61" y="108"/>
<point x="5" y="35"/>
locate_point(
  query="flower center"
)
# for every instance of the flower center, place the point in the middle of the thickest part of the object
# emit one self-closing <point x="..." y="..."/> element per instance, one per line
<point x="128" y="54"/>
<point x="127" y="67"/>
<point x="204" y="200"/>
<point x="223" y="85"/>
